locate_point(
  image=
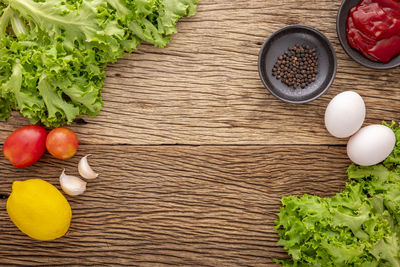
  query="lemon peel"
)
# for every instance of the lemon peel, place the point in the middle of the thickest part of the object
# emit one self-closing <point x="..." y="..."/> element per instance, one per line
<point x="39" y="209"/>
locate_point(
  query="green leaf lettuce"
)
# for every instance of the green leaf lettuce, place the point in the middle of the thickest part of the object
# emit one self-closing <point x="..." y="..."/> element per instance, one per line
<point x="53" y="53"/>
<point x="357" y="227"/>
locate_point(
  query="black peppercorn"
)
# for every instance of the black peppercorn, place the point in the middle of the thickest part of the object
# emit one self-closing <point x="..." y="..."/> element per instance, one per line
<point x="298" y="66"/>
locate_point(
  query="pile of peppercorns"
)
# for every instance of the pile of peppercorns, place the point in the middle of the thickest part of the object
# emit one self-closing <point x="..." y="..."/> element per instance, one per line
<point x="298" y="66"/>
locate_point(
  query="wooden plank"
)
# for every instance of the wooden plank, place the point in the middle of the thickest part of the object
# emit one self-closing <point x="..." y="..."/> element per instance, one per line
<point x="207" y="205"/>
<point x="174" y="205"/>
<point x="204" y="87"/>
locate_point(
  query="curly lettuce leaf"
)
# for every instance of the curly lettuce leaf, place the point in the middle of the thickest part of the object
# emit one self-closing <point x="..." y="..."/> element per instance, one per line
<point x="171" y="12"/>
<point x="75" y="75"/>
<point x="357" y="227"/>
<point x="153" y="21"/>
<point x="53" y="53"/>
<point x="79" y="25"/>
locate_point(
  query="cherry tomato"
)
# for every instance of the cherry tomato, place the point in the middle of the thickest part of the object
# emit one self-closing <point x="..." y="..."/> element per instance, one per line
<point x="25" y="145"/>
<point x="62" y="143"/>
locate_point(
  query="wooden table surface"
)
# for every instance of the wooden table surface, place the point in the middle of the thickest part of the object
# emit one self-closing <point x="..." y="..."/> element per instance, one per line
<point x="194" y="153"/>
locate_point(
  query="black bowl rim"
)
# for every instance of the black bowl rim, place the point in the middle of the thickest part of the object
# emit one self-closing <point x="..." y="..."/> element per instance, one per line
<point x="324" y="38"/>
<point x="350" y="51"/>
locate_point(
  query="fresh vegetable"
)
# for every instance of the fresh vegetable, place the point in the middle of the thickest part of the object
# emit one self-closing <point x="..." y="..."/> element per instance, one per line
<point x="85" y="170"/>
<point x="357" y="227"/>
<point x="53" y="53"/>
<point x="62" y="143"/>
<point x="25" y="146"/>
<point x="39" y="209"/>
<point x="72" y="185"/>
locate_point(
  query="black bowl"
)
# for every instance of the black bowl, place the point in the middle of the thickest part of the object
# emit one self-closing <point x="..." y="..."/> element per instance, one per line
<point x="278" y="43"/>
<point x="341" y="21"/>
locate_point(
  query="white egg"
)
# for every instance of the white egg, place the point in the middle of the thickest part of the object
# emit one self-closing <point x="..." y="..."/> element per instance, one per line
<point x="345" y="114"/>
<point x="371" y="145"/>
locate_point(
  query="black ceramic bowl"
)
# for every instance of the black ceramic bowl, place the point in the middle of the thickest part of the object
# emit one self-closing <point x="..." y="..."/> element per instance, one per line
<point x="341" y="21"/>
<point x="278" y="43"/>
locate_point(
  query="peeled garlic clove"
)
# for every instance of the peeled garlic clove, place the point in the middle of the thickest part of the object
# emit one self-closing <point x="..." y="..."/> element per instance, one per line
<point x="84" y="169"/>
<point x="72" y="185"/>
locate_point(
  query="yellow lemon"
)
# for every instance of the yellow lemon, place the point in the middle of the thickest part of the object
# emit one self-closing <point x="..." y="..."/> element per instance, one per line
<point x="39" y="209"/>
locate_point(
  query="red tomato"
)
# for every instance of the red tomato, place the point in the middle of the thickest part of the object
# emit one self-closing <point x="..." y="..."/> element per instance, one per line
<point x="62" y="143"/>
<point x="25" y="146"/>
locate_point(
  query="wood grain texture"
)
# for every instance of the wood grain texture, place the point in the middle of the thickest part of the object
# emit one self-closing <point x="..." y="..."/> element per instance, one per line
<point x="204" y="87"/>
<point x="194" y="154"/>
<point x="174" y="205"/>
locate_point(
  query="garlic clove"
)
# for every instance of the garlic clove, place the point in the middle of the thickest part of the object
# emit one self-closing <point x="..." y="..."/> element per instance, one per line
<point x="85" y="170"/>
<point x="72" y="185"/>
